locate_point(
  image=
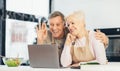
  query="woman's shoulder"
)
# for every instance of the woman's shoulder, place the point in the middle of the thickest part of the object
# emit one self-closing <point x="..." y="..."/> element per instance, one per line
<point x="91" y="33"/>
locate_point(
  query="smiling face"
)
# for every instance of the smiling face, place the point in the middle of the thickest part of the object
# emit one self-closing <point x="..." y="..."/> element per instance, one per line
<point x="57" y="27"/>
<point x="75" y="23"/>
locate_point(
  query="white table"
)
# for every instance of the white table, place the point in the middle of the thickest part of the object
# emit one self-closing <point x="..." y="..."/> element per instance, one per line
<point x="112" y="66"/>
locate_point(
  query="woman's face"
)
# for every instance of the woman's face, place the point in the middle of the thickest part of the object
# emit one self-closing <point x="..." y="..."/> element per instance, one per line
<point x="75" y="25"/>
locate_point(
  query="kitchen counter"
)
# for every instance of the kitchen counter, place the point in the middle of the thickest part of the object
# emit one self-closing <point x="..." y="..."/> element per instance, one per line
<point x="111" y="66"/>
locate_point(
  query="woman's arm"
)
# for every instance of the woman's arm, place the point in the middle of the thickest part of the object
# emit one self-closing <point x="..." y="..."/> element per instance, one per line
<point x="66" y="59"/>
<point x="99" y="50"/>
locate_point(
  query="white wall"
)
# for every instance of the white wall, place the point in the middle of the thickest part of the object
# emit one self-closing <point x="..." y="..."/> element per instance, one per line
<point x="99" y="13"/>
<point x="35" y="7"/>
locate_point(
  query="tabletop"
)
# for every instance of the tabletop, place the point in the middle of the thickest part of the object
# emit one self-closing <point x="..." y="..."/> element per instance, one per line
<point x="111" y="66"/>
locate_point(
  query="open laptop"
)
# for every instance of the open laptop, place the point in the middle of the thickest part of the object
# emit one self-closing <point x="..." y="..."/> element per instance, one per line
<point x="44" y="56"/>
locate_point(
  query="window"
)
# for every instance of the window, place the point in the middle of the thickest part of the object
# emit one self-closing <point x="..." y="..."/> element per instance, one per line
<point x="19" y="32"/>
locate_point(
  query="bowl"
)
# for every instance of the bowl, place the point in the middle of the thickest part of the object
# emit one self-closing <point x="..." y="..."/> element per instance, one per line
<point x="12" y="62"/>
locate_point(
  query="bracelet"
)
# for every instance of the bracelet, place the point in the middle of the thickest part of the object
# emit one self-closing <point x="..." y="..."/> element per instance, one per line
<point x="73" y="42"/>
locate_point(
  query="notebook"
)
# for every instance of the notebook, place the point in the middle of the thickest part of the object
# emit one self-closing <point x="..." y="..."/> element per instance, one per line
<point x="43" y="56"/>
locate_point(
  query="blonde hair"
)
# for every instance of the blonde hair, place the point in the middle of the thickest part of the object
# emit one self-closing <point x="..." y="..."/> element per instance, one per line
<point x="79" y="15"/>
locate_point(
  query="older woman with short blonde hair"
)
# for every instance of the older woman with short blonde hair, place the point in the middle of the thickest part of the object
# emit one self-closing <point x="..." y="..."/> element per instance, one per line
<point x="81" y="44"/>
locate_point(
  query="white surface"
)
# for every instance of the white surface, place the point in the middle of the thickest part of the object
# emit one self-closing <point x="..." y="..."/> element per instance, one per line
<point x="99" y="13"/>
<point x="114" y="66"/>
<point x="35" y="7"/>
<point x="18" y="47"/>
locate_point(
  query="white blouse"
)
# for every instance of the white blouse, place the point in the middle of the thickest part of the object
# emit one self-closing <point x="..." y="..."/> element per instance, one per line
<point x="96" y="47"/>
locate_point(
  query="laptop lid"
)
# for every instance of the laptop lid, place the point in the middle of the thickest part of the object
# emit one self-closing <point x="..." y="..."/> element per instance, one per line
<point x="43" y="56"/>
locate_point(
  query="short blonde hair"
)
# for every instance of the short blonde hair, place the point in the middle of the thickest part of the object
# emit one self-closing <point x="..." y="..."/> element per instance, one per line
<point x="78" y="15"/>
